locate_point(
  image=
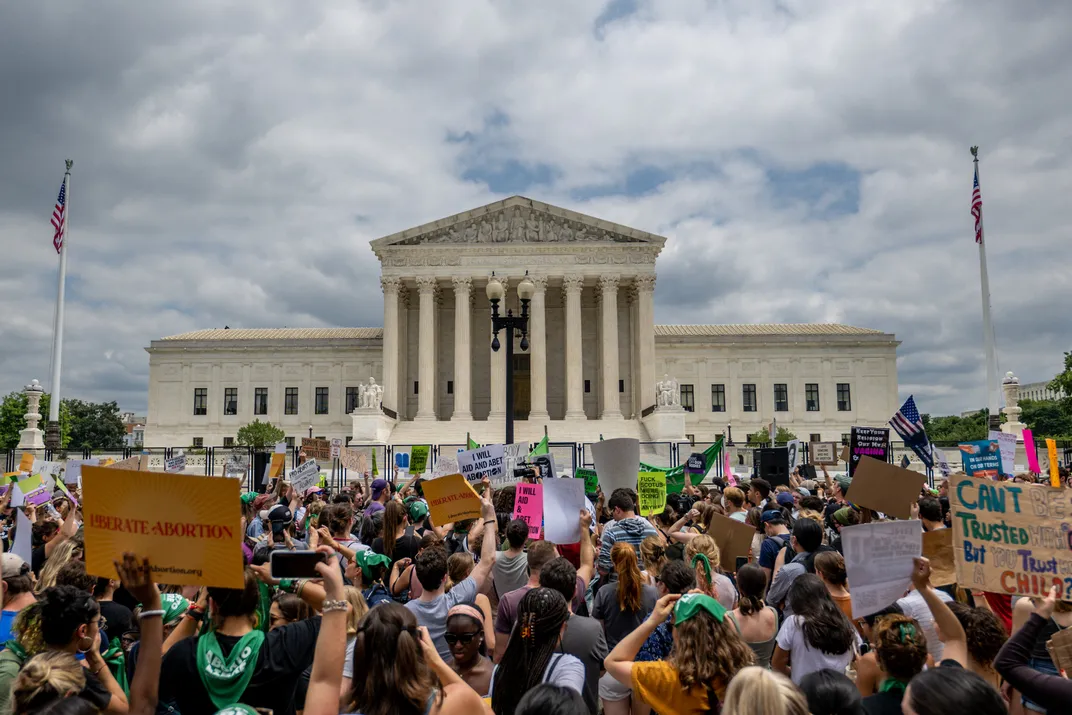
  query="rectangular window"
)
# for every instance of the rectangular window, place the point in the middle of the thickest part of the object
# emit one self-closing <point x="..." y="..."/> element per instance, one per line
<point x="290" y="443"/>
<point x="587" y="385"/>
<point x="200" y="400"/>
<point x="230" y="400"/>
<point x="844" y="397"/>
<point x="748" y="395"/>
<point x="228" y="441"/>
<point x="450" y="387"/>
<point x="260" y="400"/>
<point x="811" y="396"/>
<point x="718" y="398"/>
<point x="416" y="387"/>
<point x="688" y="399"/>
<point x="815" y="437"/>
<point x="321" y="407"/>
<point x="621" y="385"/>
<point x="845" y="437"/>
<point x="781" y="397"/>
<point x="351" y="399"/>
<point x="290" y="401"/>
<point x="199" y="442"/>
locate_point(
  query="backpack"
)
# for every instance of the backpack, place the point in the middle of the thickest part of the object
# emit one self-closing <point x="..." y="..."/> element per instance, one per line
<point x="676" y="549"/>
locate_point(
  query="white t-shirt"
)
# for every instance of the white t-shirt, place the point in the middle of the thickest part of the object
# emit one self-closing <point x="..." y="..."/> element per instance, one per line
<point x="914" y="606"/>
<point x="806" y="659"/>
<point x="739" y="516"/>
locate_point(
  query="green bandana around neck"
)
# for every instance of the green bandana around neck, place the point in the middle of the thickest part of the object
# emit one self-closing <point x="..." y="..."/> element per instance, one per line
<point x="225" y="679"/>
<point x="892" y="684"/>
<point x="692" y="603"/>
<point x="117" y="664"/>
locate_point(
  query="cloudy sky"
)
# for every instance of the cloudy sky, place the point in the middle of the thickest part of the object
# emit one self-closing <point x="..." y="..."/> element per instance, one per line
<point x="808" y="160"/>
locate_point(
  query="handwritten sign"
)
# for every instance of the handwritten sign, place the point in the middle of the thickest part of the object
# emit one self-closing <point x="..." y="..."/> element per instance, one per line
<point x="514" y="454"/>
<point x="651" y="490"/>
<point x="1007" y="447"/>
<point x="878" y="559"/>
<point x="354" y="459"/>
<point x="823" y="453"/>
<point x="316" y="448"/>
<point x="1032" y="452"/>
<point x="696" y="463"/>
<point x="528" y="506"/>
<point x="191" y="526"/>
<point x="870" y="442"/>
<point x="981" y="458"/>
<point x="418" y="458"/>
<point x="236" y="466"/>
<point x="591" y="480"/>
<point x="175" y="464"/>
<point x="563" y="500"/>
<point x="885" y="487"/>
<point x="1051" y="452"/>
<point x="450" y="499"/>
<point x="1010" y="537"/>
<point x="938" y="549"/>
<point x="487" y="461"/>
<point x="306" y="475"/>
<point x="139" y="462"/>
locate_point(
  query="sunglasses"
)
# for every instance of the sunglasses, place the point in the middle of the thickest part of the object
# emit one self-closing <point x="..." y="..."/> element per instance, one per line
<point x="465" y="638"/>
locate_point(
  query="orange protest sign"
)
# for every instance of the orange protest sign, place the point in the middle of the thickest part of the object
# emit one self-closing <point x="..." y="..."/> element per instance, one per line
<point x="26" y="462"/>
<point x="189" y="527"/>
<point x="279" y="461"/>
<point x="1051" y="452"/>
<point x="451" y="499"/>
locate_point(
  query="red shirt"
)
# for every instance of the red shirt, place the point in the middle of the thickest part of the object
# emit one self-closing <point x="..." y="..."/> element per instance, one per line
<point x="1001" y="605"/>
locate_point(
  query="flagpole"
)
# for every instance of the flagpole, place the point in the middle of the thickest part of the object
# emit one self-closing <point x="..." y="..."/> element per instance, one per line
<point x="52" y="431"/>
<point x="988" y="326"/>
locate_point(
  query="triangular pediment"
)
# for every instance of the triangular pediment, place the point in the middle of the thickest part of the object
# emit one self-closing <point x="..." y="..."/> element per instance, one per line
<point x="517" y="220"/>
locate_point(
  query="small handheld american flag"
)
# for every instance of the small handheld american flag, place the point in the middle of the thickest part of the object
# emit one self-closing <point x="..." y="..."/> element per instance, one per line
<point x="977" y="208"/>
<point x="908" y="424"/>
<point x="59" y="218"/>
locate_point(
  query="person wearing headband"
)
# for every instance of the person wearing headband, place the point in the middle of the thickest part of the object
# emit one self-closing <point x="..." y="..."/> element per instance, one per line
<point x="465" y="637"/>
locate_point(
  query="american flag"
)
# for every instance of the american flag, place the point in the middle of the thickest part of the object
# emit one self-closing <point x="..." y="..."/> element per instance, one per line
<point x="977" y="207"/>
<point x="907" y="423"/>
<point x="59" y="218"/>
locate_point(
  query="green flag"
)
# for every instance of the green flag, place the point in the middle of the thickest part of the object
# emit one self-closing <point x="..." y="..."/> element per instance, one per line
<point x="540" y="448"/>
<point x="469" y="443"/>
<point x="375" y="471"/>
<point x="675" y="478"/>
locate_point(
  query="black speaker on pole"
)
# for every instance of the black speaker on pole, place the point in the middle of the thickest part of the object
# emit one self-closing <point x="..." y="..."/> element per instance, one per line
<point x="772" y="464"/>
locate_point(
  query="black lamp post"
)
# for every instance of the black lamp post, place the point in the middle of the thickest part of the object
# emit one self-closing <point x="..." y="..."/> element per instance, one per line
<point x="510" y="323"/>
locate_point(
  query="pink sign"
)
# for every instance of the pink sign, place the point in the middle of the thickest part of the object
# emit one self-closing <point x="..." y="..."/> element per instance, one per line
<point x="727" y="468"/>
<point x="1032" y="454"/>
<point x="528" y="506"/>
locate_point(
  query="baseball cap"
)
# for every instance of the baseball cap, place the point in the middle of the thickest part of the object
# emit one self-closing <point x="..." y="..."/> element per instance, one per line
<point x="280" y="513"/>
<point x="13" y="566"/>
<point x="785" y="499"/>
<point x="313" y="490"/>
<point x="772" y="515"/>
<point x="417" y="511"/>
<point x="843" y="482"/>
<point x="378" y="485"/>
<point x="804" y="491"/>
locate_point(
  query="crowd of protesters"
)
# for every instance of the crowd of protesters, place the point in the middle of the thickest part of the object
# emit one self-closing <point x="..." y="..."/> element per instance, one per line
<point x="642" y="615"/>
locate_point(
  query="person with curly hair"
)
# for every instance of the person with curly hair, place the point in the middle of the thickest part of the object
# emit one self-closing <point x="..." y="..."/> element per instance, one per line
<point x="985" y="638"/>
<point x="818" y="635"/>
<point x="900" y="649"/>
<point x="703" y="555"/>
<point x="707" y="654"/>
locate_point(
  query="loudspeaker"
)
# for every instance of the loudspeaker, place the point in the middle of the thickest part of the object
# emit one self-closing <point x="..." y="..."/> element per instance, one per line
<point x="772" y="464"/>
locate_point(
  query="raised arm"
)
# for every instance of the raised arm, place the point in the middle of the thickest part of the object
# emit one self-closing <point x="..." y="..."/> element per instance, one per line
<point x="145" y="687"/>
<point x="325" y="682"/>
<point x="619" y="663"/>
<point x="588" y="550"/>
<point x="67" y="530"/>
<point x="489" y="545"/>
<point x="953" y="636"/>
<point x="1050" y="691"/>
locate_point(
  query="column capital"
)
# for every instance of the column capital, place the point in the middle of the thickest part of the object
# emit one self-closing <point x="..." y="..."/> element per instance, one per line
<point x="539" y="282"/>
<point x="645" y="282"/>
<point x="572" y="285"/>
<point x="462" y="284"/>
<point x="390" y="284"/>
<point x="608" y="282"/>
<point x="427" y="284"/>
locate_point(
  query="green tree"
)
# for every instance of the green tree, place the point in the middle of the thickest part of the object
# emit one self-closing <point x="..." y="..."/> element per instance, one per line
<point x="1062" y="382"/>
<point x="954" y="428"/>
<point x="13" y="420"/>
<point x="1047" y="418"/>
<point x="260" y="434"/>
<point x="95" y="425"/>
<point x="762" y="436"/>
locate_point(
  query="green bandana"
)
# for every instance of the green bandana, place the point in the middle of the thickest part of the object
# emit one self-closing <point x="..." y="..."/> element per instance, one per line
<point x="692" y="603"/>
<point x="116" y="660"/>
<point x="225" y="679"/>
<point x="841" y="516"/>
<point x="237" y="709"/>
<point x="706" y="565"/>
<point x="367" y="559"/>
<point x="898" y="686"/>
<point x="248" y="497"/>
<point x="264" y="606"/>
<point x="174" y="605"/>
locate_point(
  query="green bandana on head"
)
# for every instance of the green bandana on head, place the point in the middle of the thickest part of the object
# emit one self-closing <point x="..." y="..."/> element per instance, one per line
<point x="249" y="497"/>
<point x="367" y="560"/>
<point x="174" y="605"/>
<point x="237" y="709"/>
<point x="692" y="603"/>
<point x="225" y="679"/>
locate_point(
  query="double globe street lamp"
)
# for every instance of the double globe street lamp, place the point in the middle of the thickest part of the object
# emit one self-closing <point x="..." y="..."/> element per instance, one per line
<point x="509" y="323"/>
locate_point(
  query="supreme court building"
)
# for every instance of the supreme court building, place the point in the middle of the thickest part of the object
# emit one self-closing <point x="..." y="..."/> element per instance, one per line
<point x="595" y="352"/>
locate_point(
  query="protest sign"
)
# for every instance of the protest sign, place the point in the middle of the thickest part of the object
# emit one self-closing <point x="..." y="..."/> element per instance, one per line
<point x="354" y="459"/>
<point x="316" y="448"/>
<point x="941" y="461"/>
<point x="336" y="448"/>
<point x="73" y="473"/>
<point x="938" y="549"/>
<point x="306" y="475"/>
<point x="617" y="463"/>
<point x="236" y="466"/>
<point x="651" y="490"/>
<point x="277" y="465"/>
<point x="544" y="465"/>
<point x="795" y="456"/>
<point x="446" y="464"/>
<point x="563" y="500"/>
<point x="870" y="442"/>
<point x="487" y="461"/>
<point x="189" y="526"/>
<point x="696" y="463"/>
<point x="591" y="480"/>
<point x="1032" y="452"/>
<point x="1051" y="453"/>
<point x="136" y="463"/>
<point x="418" y="458"/>
<point x="878" y="559"/>
<point x="528" y="506"/>
<point x="981" y="458"/>
<point x="450" y="499"/>
<point x="1007" y="447"/>
<point x="513" y="454"/>
<point x="1011" y="537"/>
<point x="34" y="489"/>
<point x="23" y="546"/>
<point x="175" y="464"/>
<point x="734" y="539"/>
<point x="26" y="462"/>
<point x="823" y="453"/>
<point x="885" y="487"/>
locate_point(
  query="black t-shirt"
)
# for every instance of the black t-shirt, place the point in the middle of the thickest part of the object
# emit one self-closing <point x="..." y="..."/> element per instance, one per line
<point x="117" y="619"/>
<point x="888" y="703"/>
<point x="405" y="546"/>
<point x="37" y="560"/>
<point x="287" y="651"/>
<point x="95" y="692"/>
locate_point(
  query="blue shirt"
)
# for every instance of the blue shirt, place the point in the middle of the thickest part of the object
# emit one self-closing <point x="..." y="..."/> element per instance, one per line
<point x="7" y="620"/>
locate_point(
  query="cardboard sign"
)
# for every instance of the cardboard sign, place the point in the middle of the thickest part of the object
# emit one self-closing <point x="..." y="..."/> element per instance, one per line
<point x="137" y="463"/>
<point x="696" y="463"/>
<point x="563" y="500"/>
<point x="175" y="464"/>
<point x="190" y="527"/>
<point x="795" y="447"/>
<point x="528" y="506"/>
<point x="354" y="459"/>
<point x="1010" y="537"/>
<point x="487" y="461"/>
<point x="886" y="488"/>
<point x="451" y="499"/>
<point x="306" y="475"/>
<point x="981" y="458"/>
<point x="878" y="559"/>
<point x="316" y="448"/>
<point x="26" y="462"/>
<point x="651" y="490"/>
<point x="845" y="453"/>
<point x="938" y="549"/>
<point x="591" y="480"/>
<point x="1051" y="452"/>
<point x="617" y="463"/>
<point x="336" y="448"/>
<point x="1032" y="452"/>
<point x="1007" y="447"/>
<point x="418" y="458"/>
<point x="734" y="539"/>
<point x="823" y="453"/>
<point x="870" y="442"/>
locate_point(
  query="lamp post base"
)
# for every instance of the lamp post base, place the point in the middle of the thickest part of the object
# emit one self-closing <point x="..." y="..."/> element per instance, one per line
<point x="52" y="436"/>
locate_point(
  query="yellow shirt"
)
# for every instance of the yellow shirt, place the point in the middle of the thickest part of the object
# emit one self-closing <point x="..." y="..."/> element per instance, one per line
<point x="657" y="684"/>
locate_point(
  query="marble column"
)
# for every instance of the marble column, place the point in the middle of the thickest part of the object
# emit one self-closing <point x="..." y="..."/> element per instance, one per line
<point x="426" y="351"/>
<point x="608" y="285"/>
<point x="645" y="336"/>
<point x="390" y="286"/>
<point x="497" y="413"/>
<point x="463" y="286"/>
<point x="571" y="290"/>
<point x="538" y="350"/>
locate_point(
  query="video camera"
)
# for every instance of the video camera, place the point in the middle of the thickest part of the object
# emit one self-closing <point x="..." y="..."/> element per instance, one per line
<point x="539" y="468"/>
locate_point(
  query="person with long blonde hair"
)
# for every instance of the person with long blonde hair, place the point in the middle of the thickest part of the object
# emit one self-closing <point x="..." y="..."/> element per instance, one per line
<point x="758" y="691"/>
<point x="653" y="555"/>
<point x="703" y="555"/>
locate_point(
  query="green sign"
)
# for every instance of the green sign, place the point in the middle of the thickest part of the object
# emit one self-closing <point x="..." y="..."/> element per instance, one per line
<point x="651" y="488"/>
<point x="418" y="458"/>
<point x="591" y="481"/>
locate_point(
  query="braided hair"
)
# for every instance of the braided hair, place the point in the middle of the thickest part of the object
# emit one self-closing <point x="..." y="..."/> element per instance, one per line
<point x="540" y="616"/>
